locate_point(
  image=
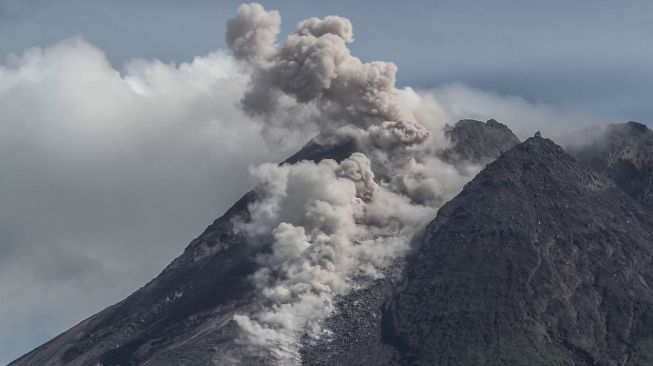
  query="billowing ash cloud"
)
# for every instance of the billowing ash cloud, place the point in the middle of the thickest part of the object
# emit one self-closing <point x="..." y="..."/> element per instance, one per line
<point x="315" y="68"/>
<point x="331" y="226"/>
<point x="252" y="34"/>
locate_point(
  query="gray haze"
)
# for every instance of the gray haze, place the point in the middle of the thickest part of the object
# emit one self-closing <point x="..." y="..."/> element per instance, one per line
<point x="111" y="161"/>
<point x="587" y="54"/>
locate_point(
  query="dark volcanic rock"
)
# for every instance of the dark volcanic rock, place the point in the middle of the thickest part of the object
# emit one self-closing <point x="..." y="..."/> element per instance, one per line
<point x="478" y="142"/>
<point x="539" y="261"/>
<point x="624" y="153"/>
<point x="356" y="327"/>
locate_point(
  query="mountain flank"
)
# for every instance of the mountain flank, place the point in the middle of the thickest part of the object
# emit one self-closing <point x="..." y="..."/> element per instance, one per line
<point x="538" y="261"/>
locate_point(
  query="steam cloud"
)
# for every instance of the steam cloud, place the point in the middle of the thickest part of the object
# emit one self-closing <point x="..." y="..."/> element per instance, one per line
<point x="331" y="226"/>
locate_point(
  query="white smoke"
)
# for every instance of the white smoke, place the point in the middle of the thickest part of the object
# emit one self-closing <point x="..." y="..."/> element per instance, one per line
<point x="329" y="87"/>
<point x="331" y="225"/>
<point x="524" y="117"/>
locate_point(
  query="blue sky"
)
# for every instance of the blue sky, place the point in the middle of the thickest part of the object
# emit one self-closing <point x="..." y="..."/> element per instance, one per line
<point x="96" y="199"/>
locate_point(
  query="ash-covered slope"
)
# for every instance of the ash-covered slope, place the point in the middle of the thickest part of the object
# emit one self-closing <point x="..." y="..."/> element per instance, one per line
<point x="624" y="152"/>
<point x="539" y="261"/>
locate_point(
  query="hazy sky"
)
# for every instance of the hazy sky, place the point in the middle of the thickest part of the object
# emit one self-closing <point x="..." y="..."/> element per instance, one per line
<point x="112" y="158"/>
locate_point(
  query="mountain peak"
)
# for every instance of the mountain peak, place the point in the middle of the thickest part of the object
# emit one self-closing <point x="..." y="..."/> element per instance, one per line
<point x="637" y="126"/>
<point x="539" y="161"/>
<point x="538" y="261"/>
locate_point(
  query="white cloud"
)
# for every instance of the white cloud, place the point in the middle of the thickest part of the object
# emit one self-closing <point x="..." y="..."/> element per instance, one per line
<point x="524" y="117"/>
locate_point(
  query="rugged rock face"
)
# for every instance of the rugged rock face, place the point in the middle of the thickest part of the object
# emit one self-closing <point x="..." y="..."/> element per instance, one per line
<point x="624" y="153"/>
<point x="539" y="261"/>
<point x="478" y="142"/>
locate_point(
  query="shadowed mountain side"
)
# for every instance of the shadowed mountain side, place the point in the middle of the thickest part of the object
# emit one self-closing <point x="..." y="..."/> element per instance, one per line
<point x="538" y="261"/>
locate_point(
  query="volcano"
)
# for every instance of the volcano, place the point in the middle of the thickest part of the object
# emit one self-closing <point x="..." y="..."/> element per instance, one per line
<point x="542" y="259"/>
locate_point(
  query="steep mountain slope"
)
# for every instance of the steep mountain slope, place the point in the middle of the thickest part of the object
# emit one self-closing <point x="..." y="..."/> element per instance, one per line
<point x="539" y="261"/>
<point x="624" y="153"/>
